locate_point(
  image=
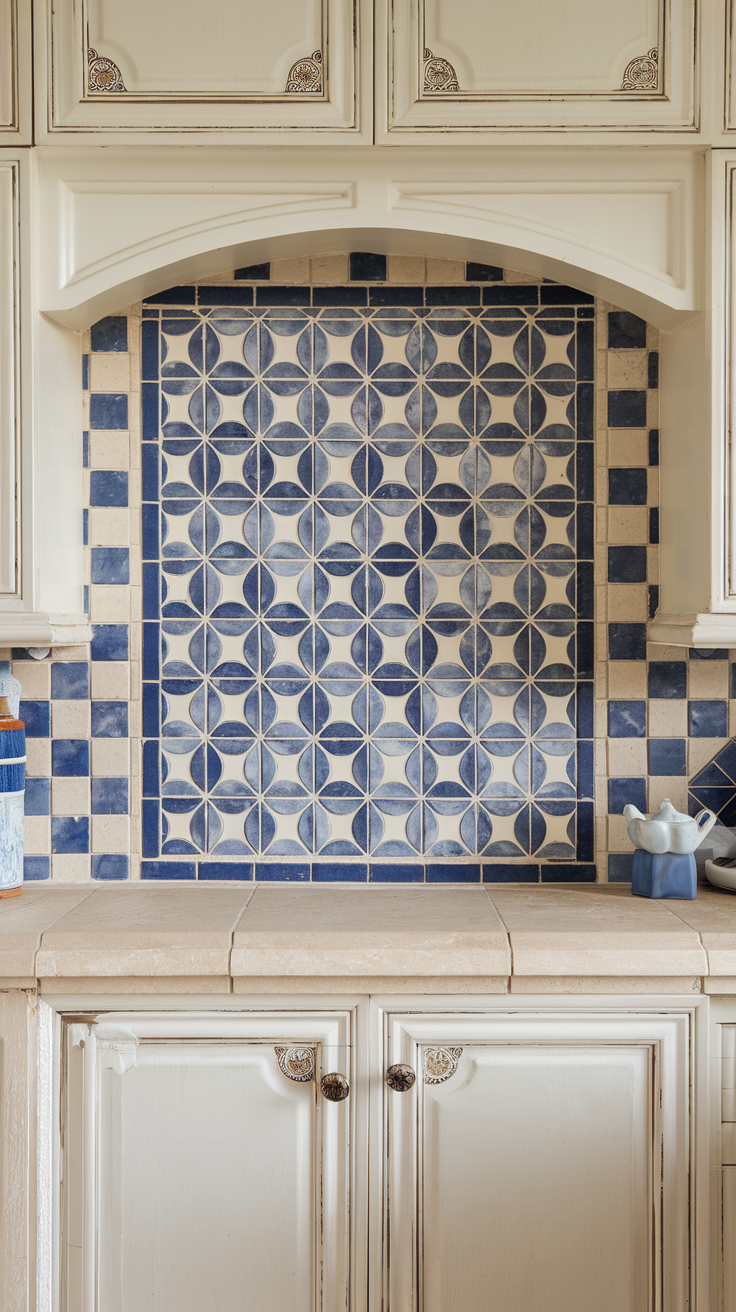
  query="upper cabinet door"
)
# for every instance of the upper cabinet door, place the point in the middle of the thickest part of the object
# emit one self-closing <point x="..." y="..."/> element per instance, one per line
<point x="163" y="66"/>
<point x="488" y="66"/>
<point x="15" y="72"/>
<point x="202" y="1165"/>
<point x="537" y="1163"/>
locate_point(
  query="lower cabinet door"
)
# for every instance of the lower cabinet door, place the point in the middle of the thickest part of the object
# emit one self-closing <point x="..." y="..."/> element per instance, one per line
<point x="538" y="1163"/>
<point x="203" y="1169"/>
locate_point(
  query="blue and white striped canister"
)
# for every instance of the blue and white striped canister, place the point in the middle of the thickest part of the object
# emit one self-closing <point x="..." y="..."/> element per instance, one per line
<point x="12" y="790"/>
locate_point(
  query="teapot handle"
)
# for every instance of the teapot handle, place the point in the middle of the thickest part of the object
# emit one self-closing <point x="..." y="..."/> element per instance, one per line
<point x="703" y="817"/>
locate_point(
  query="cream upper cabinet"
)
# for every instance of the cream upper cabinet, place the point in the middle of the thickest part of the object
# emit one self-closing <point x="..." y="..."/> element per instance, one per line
<point x="537" y="1162"/>
<point x="173" y="66"/>
<point x="486" y="66"/>
<point x="15" y="72"/>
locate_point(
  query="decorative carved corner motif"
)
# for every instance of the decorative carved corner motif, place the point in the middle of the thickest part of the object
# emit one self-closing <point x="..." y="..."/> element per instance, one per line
<point x="297" y="1063"/>
<point x="440" y="1064"/>
<point x="642" y="73"/>
<point x="439" y="75"/>
<point x="306" y="74"/>
<point x="103" y="74"/>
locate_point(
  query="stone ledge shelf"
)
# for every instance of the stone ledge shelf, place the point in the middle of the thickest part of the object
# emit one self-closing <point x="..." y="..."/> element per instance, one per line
<point x="255" y="938"/>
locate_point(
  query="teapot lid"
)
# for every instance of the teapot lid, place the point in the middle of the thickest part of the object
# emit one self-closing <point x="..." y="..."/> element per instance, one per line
<point x="669" y="815"/>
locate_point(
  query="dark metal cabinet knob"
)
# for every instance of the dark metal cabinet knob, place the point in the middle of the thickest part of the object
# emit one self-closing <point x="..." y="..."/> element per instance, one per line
<point x="334" y="1087"/>
<point x="400" y="1078"/>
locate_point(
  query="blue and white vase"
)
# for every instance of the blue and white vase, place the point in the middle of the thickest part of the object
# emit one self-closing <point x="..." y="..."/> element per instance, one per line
<point x="12" y="793"/>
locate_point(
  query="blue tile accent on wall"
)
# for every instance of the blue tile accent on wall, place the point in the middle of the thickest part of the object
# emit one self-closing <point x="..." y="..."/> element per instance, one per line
<point x="70" y="833"/>
<point x="386" y="872"/>
<point x="109" y="642"/>
<point x="36" y="867"/>
<point x="110" y="866"/>
<point x="108" y="487"/>
<point x="108" y="411"/>
<point x="168" y="870"/>
<point x="69" y="680"/>
<point x="109" y="719"/>
<point x="627" y="409"/>
<point x="254" y="272"/>
<point x="36" y="716"/>
<point x="620" y="867"/>
<point x="621" y="792"/>
<point x="708" y="719"/>
<point x="37" y="799"/>
<point x="85" y="527"/>
<point x="518" y="873"/>
<point x="627" y="487"/>
<point x="627" y="564"/>
<point x="626" y="332"/>
<point x="85" y="372"/>
<point x="225" y="870"/>
<point x="329" y="871"/>
<point x="667" y="756"/>
<point x="110" y="334"/>
<point x="627" y="642"/>
<point x="110" y="796"/>
<point x="653" y="447"/>
<point x="110" y="565"/>
<point x="365" y="267"/>
<point x="70" y="757"/>
<point x="85" y="450"/>
<point x="627" y="719"/>
<point x="667" y="679"/>
<point x="566" y="874"/>
<point x="654" y="525"/>
<point x="482" y="272"/>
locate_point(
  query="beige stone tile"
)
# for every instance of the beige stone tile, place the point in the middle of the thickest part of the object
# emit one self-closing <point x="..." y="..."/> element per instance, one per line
<point x="406" y="269"/>
<point x="445" y="272"/>
<point x="109" y="371"/>
<point x="601" y="524"/>
<point x="653" y="408"/>
<point x="601" y="678"/>
<point x="601" y="718"/>
<point x="110" y="757"/>
<point x="627" y="679"/>
<point x="700" y="751"/>
<point x="108" y="450"/>
<point x="109" y="527"/>
<point x="69" y="796"/>
<point x="109" y="680"/>
<point x="109" y="603"/>
<point x="672" y="786"/>
<point x="139" y="930"/>
<point x="602" y="931"/>
<point x="36" y="836"/>
<point x="618" y="838"/>
<point x="628" y="447"/>
<point x="732" y="717"/>
<point x="369" y="931"/>
<point x="24" y="919"/>
<point x="631" y="984"/>
<point x="627" y="602"/>
<point x="38" y="757"/>
<point x="70" y="867"/>
<point x="290" y="273"/>
<point x="627" y="369"/>
<point x="667" y="719"/>
<point x="627" y="756"/>
<point x="707" y="679"/>
<point x="653" y="564"/>
<point x="70" y="719"/>
<point x="660" y="651"/>
<point x="514" y="276"/>
<point x="35" y="679"/>
<point x="712" y="915"/>
<point x="331" y="268"/>
<point x="629" y="524"/>
<point x="110" y="833"/>
<point x="653" y="487"/>
<point x="80" y="652"/>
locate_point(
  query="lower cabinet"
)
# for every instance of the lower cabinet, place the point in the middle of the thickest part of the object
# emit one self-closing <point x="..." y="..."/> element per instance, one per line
<point x="374" y="1158"/>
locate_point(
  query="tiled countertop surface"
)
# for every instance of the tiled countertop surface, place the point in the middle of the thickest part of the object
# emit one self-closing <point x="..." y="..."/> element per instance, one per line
<point x="229" y="937"/>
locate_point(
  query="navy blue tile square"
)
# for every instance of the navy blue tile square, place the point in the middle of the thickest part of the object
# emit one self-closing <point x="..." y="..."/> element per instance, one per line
<point x="621" y="792"/>
<point x="627" y="564"/>
<point x="70" y="833"/>
<point x="268" y="296"/>
<point x="585" y="405"/>
<point x="501" y="872"/>
<point x="406" y="297"/>
<point x="627" y="487"/>
<point x="653" y="447"/>
<point x="564" y="873"/>
<point x="510" y="294"/>
<point x="482" y="272"/>
<point x="110" y="565"/>
<point x="386" y="872"/>
<point x="149" y="410"/>
<point x="452" y="295"/>
<point x="336" y="871"/>
<point x="707" y="654"/>
<point x="627" y="409"/>
<point x="366" y="267"/>
<point x="452" y="873"/>
<point x="149" y="350"/>
<point x="585" y="351"/>
<point x="110" y="866"/>
<point x="150" y="826"/>
<point x="584" y="467"/>
<point x="69" y="680"/>
<point x="85" y="450"/>
<point x="708" y="719"/>
<point x="110" y="796"/>
<point x="626" y="332"/>
<point x="585" y="649"/>
<point x="109" y="719"/>
<point x="585" y="769"/>
<point x="151" y="782"/>
<point x="620" y="867"/>
<point x="85" y="372"/>
<point x="225" y="870"/>
<point x="37" y="799"/>
<point x="585" y="700"/>
<point x="278" y="871"/>
<point x="667" y="756"/>
<point x="168" y="870"/>
<point x="652" y="600"/>
<point x="108" y="410"/>
<point x="110" y="334"/>
<point x="554" y="293"/>
<point x="667" y="679"/>
<point x="654" y="525"/>
<point x="627" y="719"/>
<point x="224" y="296"/>
<point x="36" y="867"/>
<point x="70" y="758"/>
<point x="255" y="272"/>
<point x="353" y="296"/>
<point x="36" y="716"/>
<point x="627" y="642"/>
<point x="653" y="369"/>
<point x="85" y="528"/>
<point x="109" y="642"/>
<point x="108" y="487"/>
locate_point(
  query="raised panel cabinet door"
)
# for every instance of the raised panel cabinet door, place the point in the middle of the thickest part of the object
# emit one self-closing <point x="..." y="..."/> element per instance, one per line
<point x="202" y="1165"/>
<point x="157" y="66"/>
<point x="15" y="72"/>
<point x="537" y="1165"/>
<point x="480" y="66"/>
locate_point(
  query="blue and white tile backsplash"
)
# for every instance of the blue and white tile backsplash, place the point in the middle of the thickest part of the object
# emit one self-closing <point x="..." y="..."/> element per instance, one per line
<point x="344" y="530"/>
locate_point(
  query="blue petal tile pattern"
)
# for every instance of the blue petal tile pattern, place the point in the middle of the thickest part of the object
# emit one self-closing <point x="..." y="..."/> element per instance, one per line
<point x="365" y="562"/>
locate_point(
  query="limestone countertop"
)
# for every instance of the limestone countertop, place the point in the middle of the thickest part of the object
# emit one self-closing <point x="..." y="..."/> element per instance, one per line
<point x="222" y="937"/>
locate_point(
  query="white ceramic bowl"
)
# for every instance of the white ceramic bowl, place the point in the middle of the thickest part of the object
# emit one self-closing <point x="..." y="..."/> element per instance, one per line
<point x="721" y="876"/>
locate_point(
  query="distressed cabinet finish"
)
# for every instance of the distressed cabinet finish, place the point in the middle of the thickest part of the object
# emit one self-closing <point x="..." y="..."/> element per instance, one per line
<point x="202" y="1166"/>
<point x="178" y="65"/>
<point x="15" y="72"/>
<point x="538" y="1162"/>
<point x="484" y="66"/>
